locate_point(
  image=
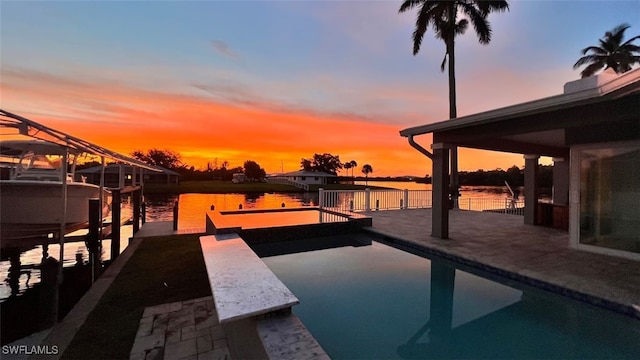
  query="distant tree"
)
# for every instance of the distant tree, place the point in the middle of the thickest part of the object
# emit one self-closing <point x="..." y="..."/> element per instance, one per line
<point x="165" y="158"/>
<point x="352" y="164"/>
<point x="253" y="170"/>
<point x="347" y="166"/>
<point x="611" y="53"/>
<point x="515" y="176"/>
<point x="305" y="164"/>
<point x="323" y="162"/>
<point x="366" y="170"/>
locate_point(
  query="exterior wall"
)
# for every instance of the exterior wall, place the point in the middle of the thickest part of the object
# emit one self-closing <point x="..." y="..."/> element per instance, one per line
<point x="311" y="180"/>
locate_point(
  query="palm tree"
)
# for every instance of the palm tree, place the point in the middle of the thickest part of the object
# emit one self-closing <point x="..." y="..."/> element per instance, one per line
<point x="366" y="170"/>
<point x="443" y="17"/>
<point x="353" y="165"/>
<point x="347" y="166"/>
<point x="611" y="54"/>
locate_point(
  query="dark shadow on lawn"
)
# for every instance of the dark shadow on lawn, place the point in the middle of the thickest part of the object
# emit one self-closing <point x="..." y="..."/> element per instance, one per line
<point x="162" y="270"/>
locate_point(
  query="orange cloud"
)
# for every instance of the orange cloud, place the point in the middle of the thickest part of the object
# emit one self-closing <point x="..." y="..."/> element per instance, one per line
<point x="201" y="129"/>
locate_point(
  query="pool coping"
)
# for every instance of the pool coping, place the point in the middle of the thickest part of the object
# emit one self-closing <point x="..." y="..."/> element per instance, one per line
<point x="510" y="276"/>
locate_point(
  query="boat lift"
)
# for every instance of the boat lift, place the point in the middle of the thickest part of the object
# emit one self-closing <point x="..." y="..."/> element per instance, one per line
<point x="26" y="127"/>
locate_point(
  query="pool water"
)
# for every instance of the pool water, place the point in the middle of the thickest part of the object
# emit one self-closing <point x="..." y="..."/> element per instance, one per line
<point x="377" y="302"/>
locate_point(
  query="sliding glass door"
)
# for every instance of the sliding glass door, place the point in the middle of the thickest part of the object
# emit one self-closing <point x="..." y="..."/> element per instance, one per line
<point x="608" y="208"/>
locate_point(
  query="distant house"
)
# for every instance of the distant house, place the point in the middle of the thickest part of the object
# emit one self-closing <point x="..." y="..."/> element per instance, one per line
<point x="239" y="178"/>
<point x="592" y="132"/>
<point x="308" y="177"/>
<point x="112" y="175"/>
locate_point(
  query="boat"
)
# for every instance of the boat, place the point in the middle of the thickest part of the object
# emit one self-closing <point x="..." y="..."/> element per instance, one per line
<point x="31" y="190"/>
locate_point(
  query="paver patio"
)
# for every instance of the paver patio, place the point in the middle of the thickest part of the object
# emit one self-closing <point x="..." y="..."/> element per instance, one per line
<point x="186" y="330"/>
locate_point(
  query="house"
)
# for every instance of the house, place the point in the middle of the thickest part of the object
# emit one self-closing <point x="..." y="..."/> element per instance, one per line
<point x="308" y="177"/>
<point x="592" y="132"/>
<point x="239" y="178"/>
<point x="112" y="175"/>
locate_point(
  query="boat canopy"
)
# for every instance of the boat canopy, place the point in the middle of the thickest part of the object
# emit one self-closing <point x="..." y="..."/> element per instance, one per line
<point x="54" y="142"/>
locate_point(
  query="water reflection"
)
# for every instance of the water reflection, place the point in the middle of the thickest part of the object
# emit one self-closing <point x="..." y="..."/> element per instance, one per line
<point x="536" y="326"/>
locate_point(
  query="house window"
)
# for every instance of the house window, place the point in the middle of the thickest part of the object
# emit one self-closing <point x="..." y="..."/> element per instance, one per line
<point x="316" y="178"/>
<point x="303" y="178"/>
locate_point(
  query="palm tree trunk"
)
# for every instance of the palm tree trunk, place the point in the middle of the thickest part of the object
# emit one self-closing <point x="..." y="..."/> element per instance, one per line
<point x="450" y="43"/>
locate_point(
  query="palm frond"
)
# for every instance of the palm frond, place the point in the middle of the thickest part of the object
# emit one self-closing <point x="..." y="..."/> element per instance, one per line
<point x="628" y="42"/>
<point x="479" y="21"/>
<point x="595" y="49"/>
<point x="422" y="23"/>
<point x="617" y="34"/>
<point x="487" y="7"/>
<point x="461" y="27"/>
<point x="591" y="69"/>
<point x="601" y="59"/>
<point x="409" y="4"/>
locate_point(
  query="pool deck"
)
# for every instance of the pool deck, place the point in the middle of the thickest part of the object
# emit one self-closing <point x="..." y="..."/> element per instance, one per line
<point x="503" y="245"/>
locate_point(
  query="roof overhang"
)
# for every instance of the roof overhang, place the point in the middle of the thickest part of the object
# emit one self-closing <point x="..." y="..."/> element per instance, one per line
<point x="618" y="87"/>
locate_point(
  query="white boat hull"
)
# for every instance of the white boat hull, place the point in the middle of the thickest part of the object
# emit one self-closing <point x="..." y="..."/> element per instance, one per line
<point x="34" y="208"/>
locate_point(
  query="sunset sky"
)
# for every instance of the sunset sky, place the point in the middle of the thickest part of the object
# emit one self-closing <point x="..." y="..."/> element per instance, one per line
<point x="276" y="81"/>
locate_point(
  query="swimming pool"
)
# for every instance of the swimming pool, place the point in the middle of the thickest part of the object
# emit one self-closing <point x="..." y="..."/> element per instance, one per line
<point x="377" y="302"/>
<point x="277" y="225"/>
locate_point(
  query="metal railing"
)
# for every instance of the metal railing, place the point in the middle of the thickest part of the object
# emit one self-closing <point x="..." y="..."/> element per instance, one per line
<point x="497" y="205"/>
<point x="285" y="181"/>
<point x="368" y="200"/>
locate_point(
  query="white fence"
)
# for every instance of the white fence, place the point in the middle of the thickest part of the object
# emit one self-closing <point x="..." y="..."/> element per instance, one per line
<point x="504" y="206"/>
<point x="368" y="200"/>
<point x="285" y="181"/>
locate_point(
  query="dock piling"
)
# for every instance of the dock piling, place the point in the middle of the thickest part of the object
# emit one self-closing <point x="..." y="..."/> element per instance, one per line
<point x="115" y="224"/>
<point x="93" y="237"/>
<point x="136" y="210"/>
<point x="175" y="216"/>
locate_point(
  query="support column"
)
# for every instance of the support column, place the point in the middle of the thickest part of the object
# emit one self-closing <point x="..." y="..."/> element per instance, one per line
<point x="560" y="181"/>
<point x="455" y="183"/>
<point x="440" y="191"/>
<point x="531" y="189"/>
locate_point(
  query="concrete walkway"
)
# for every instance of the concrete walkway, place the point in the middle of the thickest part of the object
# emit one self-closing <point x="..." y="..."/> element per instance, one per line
<point x="164" y="228"/>
<point x="180" y="330"/>
<point x="503" y="245"/>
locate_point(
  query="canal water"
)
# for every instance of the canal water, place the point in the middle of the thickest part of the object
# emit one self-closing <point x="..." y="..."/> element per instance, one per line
<point x="23" y="284"/>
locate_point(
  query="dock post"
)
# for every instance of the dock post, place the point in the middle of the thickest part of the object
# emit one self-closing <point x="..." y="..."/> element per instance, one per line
<point x="175" y="216"/>
<point x="115" y="224"/>
<point x="144" y="212"/>
<point x="136" y="210"/>
<point x="93" y="237"/>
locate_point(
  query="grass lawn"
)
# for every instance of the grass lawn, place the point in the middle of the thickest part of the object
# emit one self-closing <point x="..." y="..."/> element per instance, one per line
<point x="227" y="187"/>
<point x="110" y="329"/>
